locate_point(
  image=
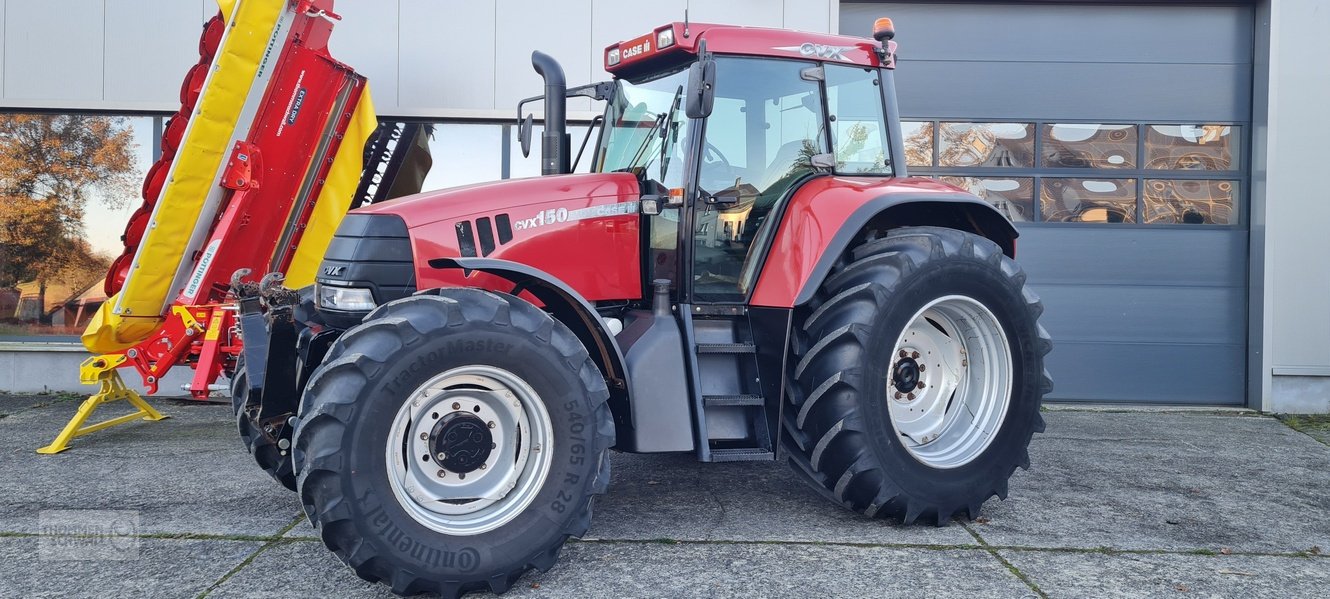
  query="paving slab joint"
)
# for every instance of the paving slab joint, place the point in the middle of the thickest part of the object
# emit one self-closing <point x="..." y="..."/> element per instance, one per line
<point x="1002" y="560"/>
<point x="273" y="541"/>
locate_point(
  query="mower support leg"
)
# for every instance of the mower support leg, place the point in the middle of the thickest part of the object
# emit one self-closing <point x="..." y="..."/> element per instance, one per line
<point x="101" y="370"/>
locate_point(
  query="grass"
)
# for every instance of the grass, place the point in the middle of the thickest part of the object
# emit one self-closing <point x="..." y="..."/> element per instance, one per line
<point x="1306" y="422"/>
<point x="1316" y="426"/>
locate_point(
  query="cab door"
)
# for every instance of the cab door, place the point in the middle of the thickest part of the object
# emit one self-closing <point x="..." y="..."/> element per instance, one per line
<point x="767" y="123"/>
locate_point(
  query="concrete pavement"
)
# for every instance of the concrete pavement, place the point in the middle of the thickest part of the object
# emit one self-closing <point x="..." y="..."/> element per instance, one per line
<point x="1128" y="504"/>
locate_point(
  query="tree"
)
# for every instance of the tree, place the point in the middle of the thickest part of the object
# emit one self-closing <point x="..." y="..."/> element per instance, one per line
<point x="51" y="165"/>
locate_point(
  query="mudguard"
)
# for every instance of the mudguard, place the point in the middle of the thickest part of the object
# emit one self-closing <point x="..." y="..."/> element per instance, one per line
<point x="563" y="302"/>
<point x="824" y="216"/>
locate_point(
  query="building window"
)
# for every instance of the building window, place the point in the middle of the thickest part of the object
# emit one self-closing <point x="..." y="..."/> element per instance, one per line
<point x="1083" y="145"/>
<point x="918" y="139"/>
<point x="986" y="145"/>
<point x="1100" y="173"/>
<point x="1078" y="200"/>
<point x="69" y="183"/>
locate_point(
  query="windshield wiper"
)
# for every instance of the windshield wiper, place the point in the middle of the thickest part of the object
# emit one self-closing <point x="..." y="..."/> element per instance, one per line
<point x="661" y="119"/>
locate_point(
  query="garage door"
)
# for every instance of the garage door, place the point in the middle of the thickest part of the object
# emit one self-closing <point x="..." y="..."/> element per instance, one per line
<point x="1116" y="137"/>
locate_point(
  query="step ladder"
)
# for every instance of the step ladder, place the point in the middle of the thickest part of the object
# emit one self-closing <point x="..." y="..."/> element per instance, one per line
<point x="732" y="423"/>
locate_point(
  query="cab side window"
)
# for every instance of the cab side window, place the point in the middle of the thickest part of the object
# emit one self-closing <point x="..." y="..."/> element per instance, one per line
<point x="859" y="127"/>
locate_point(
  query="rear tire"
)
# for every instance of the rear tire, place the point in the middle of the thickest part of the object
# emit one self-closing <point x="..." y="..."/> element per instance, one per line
<point x="399" y="382"/>
<point x="919" y="377"/>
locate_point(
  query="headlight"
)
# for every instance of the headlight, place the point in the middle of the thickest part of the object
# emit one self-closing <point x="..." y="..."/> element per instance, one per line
<point x="349" y="299"/>
<point x="665" y="38"/>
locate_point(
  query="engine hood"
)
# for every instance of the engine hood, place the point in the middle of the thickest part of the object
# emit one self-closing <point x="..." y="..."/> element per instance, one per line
<point x="495" y="196"/>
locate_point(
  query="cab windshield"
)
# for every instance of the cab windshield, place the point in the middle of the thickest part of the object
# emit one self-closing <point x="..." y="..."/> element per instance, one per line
<point x="645" y="127"/>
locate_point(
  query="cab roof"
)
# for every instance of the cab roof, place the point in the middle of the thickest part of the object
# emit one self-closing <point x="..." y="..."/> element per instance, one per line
<point x="677" y="42"/>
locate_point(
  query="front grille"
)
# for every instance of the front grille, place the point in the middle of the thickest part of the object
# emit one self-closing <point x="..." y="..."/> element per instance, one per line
<point x="372" y="251"/>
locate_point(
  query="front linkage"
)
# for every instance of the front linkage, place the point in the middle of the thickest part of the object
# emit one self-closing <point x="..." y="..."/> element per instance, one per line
<point x="283" y="339"/>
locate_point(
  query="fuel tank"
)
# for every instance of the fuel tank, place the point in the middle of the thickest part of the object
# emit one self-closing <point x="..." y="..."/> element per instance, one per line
<point x="583" y="229"/>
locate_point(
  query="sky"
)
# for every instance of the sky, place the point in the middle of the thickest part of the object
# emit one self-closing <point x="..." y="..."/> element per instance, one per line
<point x="102" y="224"/>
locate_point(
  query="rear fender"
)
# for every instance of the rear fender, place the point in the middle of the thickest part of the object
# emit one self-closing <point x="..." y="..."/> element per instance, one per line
<point x="562" y="302"/>
<point x="825" y="220"/>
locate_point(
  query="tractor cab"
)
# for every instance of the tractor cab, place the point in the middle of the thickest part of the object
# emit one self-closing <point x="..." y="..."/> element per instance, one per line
<point x="735" y="119"/>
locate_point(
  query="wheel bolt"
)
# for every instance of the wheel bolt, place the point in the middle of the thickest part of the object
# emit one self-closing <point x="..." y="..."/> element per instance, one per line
<point x="920" y="385"/>
<point x="898" y="395"/>
<point x="442" y="456"/>
<point x="921" y="368"/>
<point x="903" y="354"/>
<point x="911" y="396"/>
<point x="482" y="466"/>
<point x="443" y="473"/>
<point x="491" y="424"/>
<point x="914" y="355"/>
<point x="494" y="445"/>
<point x="424" y="436"/>
<point x="457" y="406"/>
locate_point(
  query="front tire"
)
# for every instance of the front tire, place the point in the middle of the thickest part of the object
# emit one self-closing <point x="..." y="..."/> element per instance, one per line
<point x="919" y="377"/>
<point x="264" y="447"/>
<point x="453" y="441"/>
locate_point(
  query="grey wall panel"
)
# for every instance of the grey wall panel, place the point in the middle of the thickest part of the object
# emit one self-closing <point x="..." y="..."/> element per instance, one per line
<point x="444" y="55"/>
<point x="515" y="79"/>
<point x="367" y="39"/>
<point x="1132" y="255"/>
<point x="145" y="61"/>
<point x="1147" y="372"/>
<point x="1143" y="314"/>
<point x="1117" y="301"/>
<point x="1063" y="33"/>
<point x="810" y="16"/>
<point x="43" y="61"/>
<point x="1058" y="90"/>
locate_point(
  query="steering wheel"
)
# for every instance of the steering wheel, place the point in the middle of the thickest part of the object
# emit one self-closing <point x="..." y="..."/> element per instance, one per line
<point x="712" y="155"/>
<point x="716" y="166"/>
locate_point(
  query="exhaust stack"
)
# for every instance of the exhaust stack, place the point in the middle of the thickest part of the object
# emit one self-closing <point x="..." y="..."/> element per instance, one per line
<point x="555" y="143"/>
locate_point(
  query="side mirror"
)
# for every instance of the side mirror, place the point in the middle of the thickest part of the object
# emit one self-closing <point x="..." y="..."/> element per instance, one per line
<point x="701" y="89"/>
<point x="524" y="135"/>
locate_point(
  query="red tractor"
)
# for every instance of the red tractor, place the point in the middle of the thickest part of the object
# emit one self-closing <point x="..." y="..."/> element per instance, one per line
<point x="747" y="273"/>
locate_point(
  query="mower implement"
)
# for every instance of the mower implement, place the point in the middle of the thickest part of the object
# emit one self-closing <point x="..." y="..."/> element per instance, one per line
<point x="257" y="169"/>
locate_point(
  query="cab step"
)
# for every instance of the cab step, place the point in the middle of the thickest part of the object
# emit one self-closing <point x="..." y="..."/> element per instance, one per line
<point x="726" y="348"/>
<point x="733" y="400"/>
<point x="743" y="454"/>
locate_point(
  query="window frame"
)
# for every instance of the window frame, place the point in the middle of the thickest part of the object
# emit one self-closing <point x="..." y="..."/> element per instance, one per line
<point x="1239" y="172"/>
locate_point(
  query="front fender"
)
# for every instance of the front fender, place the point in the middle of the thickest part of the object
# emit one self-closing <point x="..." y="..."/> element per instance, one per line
<point x="565" y="304"/>
<point x="827" y="214"/>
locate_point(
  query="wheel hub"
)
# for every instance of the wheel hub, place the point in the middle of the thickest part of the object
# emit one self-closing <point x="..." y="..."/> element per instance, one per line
<point x="905" y="375"/>
<point x="461" y="442"/>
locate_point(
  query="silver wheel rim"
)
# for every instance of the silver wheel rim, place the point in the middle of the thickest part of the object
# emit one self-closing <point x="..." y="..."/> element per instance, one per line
<point x="950" y="412"/>
<point x="504" y="484"/>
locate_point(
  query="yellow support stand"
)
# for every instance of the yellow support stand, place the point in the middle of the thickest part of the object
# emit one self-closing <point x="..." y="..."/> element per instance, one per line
<point x="101" y="370"/>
